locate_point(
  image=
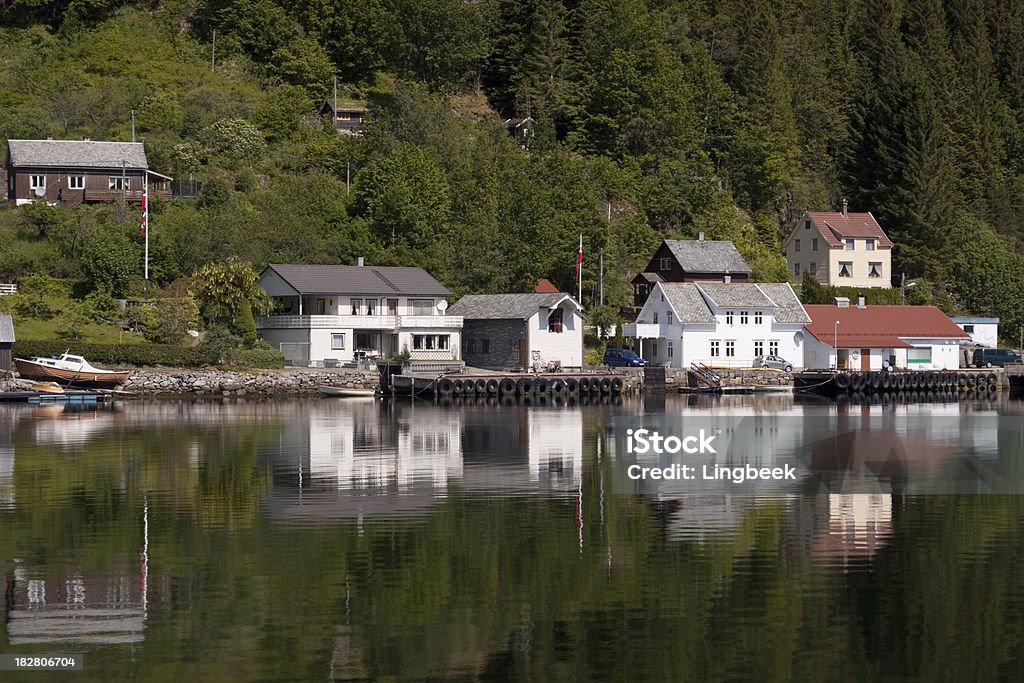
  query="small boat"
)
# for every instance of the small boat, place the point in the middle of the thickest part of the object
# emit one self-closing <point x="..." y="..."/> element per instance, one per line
<point x="347" y="392"/>
<point x="69" y="370"/>
<point x="47" y="387"/>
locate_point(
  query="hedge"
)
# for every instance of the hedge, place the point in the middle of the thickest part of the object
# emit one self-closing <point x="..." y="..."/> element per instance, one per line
<point x="258" y="358"/>
<point x="116" y="354"/>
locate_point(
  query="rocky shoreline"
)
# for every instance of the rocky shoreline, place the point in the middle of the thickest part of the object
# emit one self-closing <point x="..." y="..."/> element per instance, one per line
<point x="213" y="382"/>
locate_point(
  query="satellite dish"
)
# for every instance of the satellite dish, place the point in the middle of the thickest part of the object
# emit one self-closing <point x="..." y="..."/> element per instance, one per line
<point x="442" y="305"/>
<point x="40" y="191"/>
<point x="798" y="337"/>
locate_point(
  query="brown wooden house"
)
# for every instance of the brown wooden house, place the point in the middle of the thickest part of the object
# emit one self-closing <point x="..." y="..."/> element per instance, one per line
<point x="696" y="260"/>
<point x="69" y="172"/>
<point x="347" y="116"/>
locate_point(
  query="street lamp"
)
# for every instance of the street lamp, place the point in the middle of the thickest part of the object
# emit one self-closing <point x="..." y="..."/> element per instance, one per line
<point x="904" y="286"/>
<point x="835" y="342"/>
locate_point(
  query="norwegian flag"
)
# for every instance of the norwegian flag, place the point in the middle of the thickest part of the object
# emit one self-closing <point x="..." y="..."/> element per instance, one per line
<point x="145" y="211"/>
<point x="579" y="258"/>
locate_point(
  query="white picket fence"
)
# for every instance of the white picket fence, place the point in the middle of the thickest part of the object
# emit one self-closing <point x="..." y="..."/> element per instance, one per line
<point x="8" y="288"/>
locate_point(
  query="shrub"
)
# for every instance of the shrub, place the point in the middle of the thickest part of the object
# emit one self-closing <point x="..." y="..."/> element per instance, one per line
<point x="258" y="358"/>
<point x="117" y="354"/>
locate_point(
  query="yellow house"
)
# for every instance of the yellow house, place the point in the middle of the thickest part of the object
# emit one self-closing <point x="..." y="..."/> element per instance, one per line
<point x="841" y="249"/>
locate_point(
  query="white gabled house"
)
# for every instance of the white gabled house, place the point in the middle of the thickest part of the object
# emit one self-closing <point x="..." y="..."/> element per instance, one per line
<point x="521" y="331"/>
<point x="328" y="315"/>
<point x="719" y="324"/>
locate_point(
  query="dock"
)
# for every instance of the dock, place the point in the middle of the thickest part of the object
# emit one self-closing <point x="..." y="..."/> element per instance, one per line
<point x="43" y="397"/>
<point x="962" y="382"/>
<point x="510" y="385"/>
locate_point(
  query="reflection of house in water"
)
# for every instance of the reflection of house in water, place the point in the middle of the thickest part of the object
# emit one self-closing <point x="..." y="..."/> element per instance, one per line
<point x="350" y="460"/>
<point x="843" y="528"/>
<point x="6" y="461"/>
<point x="102" y="607"/>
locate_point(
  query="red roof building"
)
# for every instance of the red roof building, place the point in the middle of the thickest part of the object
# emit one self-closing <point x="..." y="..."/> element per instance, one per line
<point x="873" y="337"/>
<point x="544" y="286"/>
<point x="841" y="249"/>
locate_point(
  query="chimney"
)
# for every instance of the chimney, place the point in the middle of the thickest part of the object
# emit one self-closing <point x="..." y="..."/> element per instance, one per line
<point x="728" y="279"/>
<point x="860" y="301"/>
<point x="49" y="137"/>
<point x="846" y="207"/>
<point x="359" y="261"/>
<point x="842" y="302"/>
<point x="700" y="236"/>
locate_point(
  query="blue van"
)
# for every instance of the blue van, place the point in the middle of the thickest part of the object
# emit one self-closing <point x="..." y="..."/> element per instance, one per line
<point x="623" y="358"/>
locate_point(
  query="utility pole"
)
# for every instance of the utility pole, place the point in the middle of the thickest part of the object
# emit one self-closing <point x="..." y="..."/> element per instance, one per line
<point x="600" y="277"/>
<point x="213" y="51"/>
<point x="133" y="125"/>
<point x="124" y="182"/>
<point x="347" y="178"/>
<point x="335" y="112"/>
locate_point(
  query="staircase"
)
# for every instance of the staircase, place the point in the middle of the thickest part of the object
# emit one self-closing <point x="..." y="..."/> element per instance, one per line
<point x="704" y="377"/>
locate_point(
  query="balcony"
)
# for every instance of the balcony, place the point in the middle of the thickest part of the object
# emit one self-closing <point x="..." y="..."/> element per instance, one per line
<point x="359" y="322"/>
<point x="642" y="331"/>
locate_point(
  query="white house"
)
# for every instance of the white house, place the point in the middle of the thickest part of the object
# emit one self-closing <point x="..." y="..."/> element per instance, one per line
<point x="719" y="324"/>
<point x="334" y="314"/>
<point x="869" y="337"/>
<point x="983" y="331"/>
<point x="521" y="331"/>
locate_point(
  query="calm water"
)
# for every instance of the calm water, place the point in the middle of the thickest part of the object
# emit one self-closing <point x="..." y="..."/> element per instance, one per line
<point x="320" y="540"/>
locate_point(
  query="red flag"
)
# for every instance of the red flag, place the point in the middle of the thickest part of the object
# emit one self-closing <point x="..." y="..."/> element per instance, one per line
<point x="145" y="210"/>
<point x="579" y="259"/>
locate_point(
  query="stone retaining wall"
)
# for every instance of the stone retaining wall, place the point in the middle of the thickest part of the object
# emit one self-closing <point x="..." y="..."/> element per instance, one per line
<point x="732" y="377"/>
<point x="256" y="383"/>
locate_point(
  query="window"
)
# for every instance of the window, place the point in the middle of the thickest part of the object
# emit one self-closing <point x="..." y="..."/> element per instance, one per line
<point x="76" y="182"/>
<point x="654" y="348"/>
<point x="869" y="245"/>
<point x="807" y="225"/>
<point x="758" y="347"/>
<point x="716" y="348"/>
<point x="668" y="317"/>
<point x="969" y="329"/>
<point x="670" y="349"/>
<point x="757" y="317"/>
<point x="796" y="245"/>
<point x="555" y="320"/>
<point x="846" y="269"/>
<point x="773" y="347"/>
<point x="665" y="263"/>
<point x="357" y="306"/>
<point x="655" y="317"/>
<point x="875" y="269"/>
<point x="730" y="348"/>
<point x="337" y="341"/>
<point x="422" y="306"/>
<point x="371" y="307"/>
<point x="796" y="270"/>
<point x="850" y="244"/>
<point x="814" y="244"/>
<point x="485" y="346"/>
<point x="728" y="317"/>
<point x="812" y="268"/>
<point x="744" y="317"/>
<point x="37" y="182"/>
<point x="432" y="342"/>
<point x="920" y="355"/>
<point x="321" y="306"/>
<point x="116" y="182"/>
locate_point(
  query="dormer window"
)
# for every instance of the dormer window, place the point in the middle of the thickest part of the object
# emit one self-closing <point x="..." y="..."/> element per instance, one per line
<point x="664" y="264"/>
<point x="555" y="320"/>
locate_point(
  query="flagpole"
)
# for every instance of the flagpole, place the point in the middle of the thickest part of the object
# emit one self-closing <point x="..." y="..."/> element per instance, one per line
<point x="579" y="270"/>
<point x="145" y="218"/>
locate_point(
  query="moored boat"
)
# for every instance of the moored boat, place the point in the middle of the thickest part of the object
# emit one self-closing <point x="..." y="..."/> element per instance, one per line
<point x="347" y="392"/>
<point x="69" y="370"/>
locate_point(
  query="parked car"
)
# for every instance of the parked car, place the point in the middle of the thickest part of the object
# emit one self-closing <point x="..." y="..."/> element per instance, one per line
<point x="623" y="358"/>
<point x="777" y="362"/>
<point x="986" y="358"/>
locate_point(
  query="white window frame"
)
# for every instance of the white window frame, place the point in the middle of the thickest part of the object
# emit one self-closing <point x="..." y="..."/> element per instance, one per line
<point x="812" y="268"/>
<point x="814" y="244"/>
<point x="758" y="317"/>
<point x="744" y="317"/>
<point x="796" y="270"/>
<point x="37" y="182"/>
<point x="669" y="348"/>
<point x="116" y="182"/>
<point x="773" y="347"/>
<point x="758" y="347"/>
<point x="668" y="317"/>
<point x="796" y="245"/>
<point x="76" y="182"/>
<point x="851" y="244"/>
<point x="846" y="266"/>
<point x="665" y="263"/>
<point x="875" y="269"/>
<point x="728" y="317"/>
<point x="655" y="317"/>
<point x="356" y="306"/>
<point x="869" y="244"/>
<point x="730" y="348"/>
<point x="418" y="305"/>
<point x="716" y="348"/>
<point x="335" y="345"/>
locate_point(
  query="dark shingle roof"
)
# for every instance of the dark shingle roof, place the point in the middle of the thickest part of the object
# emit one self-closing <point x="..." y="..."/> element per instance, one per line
<point x="687" y="302"/>
<point x="6" y="329"/>
<point x="705" y="256"/>
<point x="77" y="153"/>
<point x="362" y="280"/>
<point x="504" y="306"/>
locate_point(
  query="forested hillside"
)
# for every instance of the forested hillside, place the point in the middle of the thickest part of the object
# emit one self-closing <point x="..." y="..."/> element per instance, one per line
<point x="655" y="118"/>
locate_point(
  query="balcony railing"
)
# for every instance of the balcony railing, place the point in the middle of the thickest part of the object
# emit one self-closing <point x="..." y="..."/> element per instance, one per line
<point x="359" y="322"/>
<point x="642" y="330"/>
<point x="127" y="195"/>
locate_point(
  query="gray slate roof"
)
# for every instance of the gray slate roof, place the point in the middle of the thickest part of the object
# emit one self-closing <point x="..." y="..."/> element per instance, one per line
<point x="687" y="302"/>
<point x="706" y="256"/>
<point x="6" y="329"/>
<point x="503" y="306"/>
<point x="77" y="153"/>
<point x="736" y="294"/>
<point x="361" y="280"/>
<point x="788" y="308"/>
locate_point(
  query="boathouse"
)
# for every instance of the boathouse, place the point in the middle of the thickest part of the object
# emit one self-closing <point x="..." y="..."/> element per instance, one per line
<point x="6" y="342"/>
<point x="867" y="338"/>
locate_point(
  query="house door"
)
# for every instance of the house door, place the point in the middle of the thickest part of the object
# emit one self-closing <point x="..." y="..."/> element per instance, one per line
<point x="321" y="306"/>
<point x="392" y="306"/>
<point x="865" y="359"/>
<point x="524" y="361"/>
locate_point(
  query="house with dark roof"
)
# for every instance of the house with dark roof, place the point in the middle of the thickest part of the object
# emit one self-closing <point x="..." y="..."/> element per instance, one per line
<point x="841" y="249"/>
<point x="719" y="324"/>
<point x="347" y="115"/>
<point x="69" y="172"/>
<point x="696" y="260"/>
<point x="332" y="314"/>
<point x="865" y="337"/>
<point x="6" y="341"/>
<point x="521" y="331"/>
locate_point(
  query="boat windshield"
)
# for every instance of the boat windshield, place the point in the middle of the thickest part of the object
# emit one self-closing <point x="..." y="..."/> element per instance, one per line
<point x="74" y="359"/>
